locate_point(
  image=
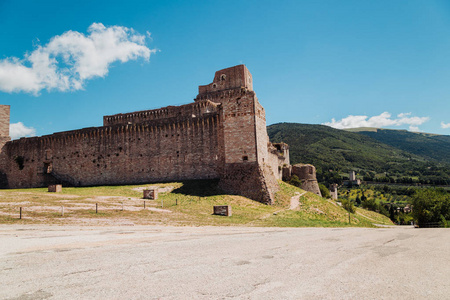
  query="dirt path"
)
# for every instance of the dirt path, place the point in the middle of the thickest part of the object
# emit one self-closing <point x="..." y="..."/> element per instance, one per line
<point x="332" y="202"/>
<point x="295" y="201"/>
<point x="366" y="216"/>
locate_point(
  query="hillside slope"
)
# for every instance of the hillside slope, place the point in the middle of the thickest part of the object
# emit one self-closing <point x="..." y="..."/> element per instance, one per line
<point x="432" y="147"/>
<point x="328" y="148"/>
<point x="325" y="146"/>
<point x="187" y="203"/>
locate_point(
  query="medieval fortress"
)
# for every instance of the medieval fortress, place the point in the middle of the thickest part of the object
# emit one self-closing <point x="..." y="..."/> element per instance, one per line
<point x="221" y="135"/>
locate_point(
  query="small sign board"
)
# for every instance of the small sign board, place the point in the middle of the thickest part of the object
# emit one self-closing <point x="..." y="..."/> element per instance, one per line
<point x="151" y="194"/>
<point x="222" y="210"/>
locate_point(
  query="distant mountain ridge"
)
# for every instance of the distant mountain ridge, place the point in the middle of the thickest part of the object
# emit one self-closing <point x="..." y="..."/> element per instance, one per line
<point x="430" y="146"/>
<point x="400" y="154"/>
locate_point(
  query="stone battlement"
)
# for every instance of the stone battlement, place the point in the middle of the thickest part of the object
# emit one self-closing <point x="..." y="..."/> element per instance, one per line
<point x="191" y="110"/>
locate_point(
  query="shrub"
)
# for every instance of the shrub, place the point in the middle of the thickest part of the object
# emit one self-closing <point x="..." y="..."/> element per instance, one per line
<point x="295" y="181"/>
<point x="324" y="191"/>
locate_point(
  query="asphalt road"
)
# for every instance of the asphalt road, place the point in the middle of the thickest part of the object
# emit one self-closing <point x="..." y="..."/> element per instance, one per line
<point x="147" y="262"/>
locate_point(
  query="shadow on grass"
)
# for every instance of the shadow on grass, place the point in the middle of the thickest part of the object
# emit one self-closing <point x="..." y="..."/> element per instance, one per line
<point x="200" y="188"/>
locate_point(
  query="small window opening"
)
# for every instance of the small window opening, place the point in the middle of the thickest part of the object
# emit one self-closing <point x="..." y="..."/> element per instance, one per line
<point x="19" y="160"/>
<point x="245" y="158"/>
<point x="48" y="168"/>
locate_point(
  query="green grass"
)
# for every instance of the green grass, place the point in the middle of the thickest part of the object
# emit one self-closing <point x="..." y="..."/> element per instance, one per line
<point x="190" y="203"/>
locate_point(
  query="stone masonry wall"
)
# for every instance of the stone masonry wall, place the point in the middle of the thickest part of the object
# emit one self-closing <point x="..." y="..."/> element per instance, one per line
<point x="175" y="113"/>
<point x="227" y="79"/>
<point x="245" y="139"/>
<point x="121" y="154"/>
<point x="307" y="174"/>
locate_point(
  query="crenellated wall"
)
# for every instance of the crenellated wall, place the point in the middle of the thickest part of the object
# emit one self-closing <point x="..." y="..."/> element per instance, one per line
<point x="120" y="154"/>
<point x="174" y="113"/>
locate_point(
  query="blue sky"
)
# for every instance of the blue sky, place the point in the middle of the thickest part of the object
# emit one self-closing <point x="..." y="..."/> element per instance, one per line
<point x="341" y="63"/>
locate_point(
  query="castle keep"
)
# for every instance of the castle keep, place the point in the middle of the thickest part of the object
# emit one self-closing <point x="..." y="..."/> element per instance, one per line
<point x="221" y="135"/>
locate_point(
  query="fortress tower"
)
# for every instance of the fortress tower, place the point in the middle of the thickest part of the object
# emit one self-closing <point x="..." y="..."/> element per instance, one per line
<point x="4" y="138"/>
<point x="247" y="167"/>
<point x="4" y="124"/>
<point x="221" y="135"/>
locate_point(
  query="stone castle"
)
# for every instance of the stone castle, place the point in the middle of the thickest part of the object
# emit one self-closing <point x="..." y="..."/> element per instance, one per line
<point x="221" y="135"/>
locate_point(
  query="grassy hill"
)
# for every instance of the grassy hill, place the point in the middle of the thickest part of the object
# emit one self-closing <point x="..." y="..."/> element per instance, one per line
<point x="187" y="203"/>
<point x="428" y="146"/>
<point x="339" y="150"/>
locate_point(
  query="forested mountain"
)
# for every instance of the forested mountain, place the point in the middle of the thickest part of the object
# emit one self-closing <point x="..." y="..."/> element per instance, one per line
<point x="333" y="151"/>
<point x="429" y="146"/>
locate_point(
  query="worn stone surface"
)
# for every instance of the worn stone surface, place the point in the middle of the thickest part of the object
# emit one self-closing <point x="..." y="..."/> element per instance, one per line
<point x="222" y="135"/>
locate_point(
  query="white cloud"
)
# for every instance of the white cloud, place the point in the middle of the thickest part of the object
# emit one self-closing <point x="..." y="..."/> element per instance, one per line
<point x="18" y="130"/>
<point x="382" y="120"/>
<point x="401" y="115"/>
<point x="444" y="125"/>
<point x="414" y="128"/>
<point x="68" y="60"/>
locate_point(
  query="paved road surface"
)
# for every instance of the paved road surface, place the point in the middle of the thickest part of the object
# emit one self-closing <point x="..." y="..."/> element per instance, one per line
<point x="146" y="262"/>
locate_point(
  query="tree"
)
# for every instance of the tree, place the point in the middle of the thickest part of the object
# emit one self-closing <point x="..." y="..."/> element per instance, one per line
<point x="348" y="206"/>
<point x="363" y="197"/>
<point x="391" y="213"/>
<point x="324" y="191"/>
<point x="370" y="204"/>
<point x="358" y="200"/>
<point x="431" y="206"/>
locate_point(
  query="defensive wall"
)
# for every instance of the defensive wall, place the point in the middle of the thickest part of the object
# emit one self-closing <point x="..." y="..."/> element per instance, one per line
<point x="221" y="135"/>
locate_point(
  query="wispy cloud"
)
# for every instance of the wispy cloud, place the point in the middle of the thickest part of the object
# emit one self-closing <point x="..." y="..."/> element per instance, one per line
<point x="18" y="130"/>
<point x="445" y="125"/>
<point x="382" y="120"/>
<point x="68" y="60"/>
